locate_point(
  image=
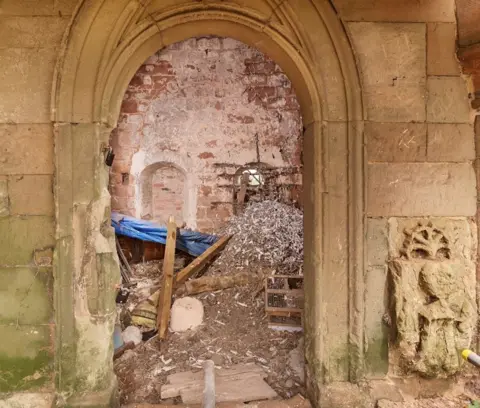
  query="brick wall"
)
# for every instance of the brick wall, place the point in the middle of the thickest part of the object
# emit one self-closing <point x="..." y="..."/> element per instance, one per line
<point x="208" y="106"/>
<point x="168" y="186"/>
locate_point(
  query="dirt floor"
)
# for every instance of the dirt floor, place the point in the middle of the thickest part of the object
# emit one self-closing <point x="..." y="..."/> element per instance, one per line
<point x="234" y="331"/>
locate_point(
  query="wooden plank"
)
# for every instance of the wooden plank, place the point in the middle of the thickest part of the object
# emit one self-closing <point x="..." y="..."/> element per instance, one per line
<point x="243" y="192"/>
<point x="285" y="277"/>
<point x="231" y="385"/>
<point x="296" y="402"/>
<point x="165" y="300"/>
<point x="200" y="262"/>
<point x="242" y="389"/>
<point x="269" y="309"/>
<point x="238" y="369"/>
<point x="281" y="313"/>
<point x="293" y="292"/>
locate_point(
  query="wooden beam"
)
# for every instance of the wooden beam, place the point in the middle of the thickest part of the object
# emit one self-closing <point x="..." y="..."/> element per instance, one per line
<point x="165" y="300"/>
<point x="200" y="262"/>
<point x="243" y="192"/>
<point x="214" y="283"/>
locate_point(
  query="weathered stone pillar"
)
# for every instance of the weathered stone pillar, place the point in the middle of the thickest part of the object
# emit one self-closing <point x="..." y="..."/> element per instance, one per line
<point x="85" y="267"/>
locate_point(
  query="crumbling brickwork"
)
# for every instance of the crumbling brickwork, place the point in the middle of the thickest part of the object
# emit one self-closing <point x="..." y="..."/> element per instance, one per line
<point x="210" y="107"/>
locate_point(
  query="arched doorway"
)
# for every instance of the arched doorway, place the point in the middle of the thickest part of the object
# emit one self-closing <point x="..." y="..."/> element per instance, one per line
<point x="105" y="45"/>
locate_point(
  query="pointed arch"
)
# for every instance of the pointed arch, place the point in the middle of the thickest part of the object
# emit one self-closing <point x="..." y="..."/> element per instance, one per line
<point x="103" y="47"/>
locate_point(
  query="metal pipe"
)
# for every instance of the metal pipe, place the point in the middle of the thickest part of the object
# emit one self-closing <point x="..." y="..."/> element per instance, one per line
<point x="209" y="390"/>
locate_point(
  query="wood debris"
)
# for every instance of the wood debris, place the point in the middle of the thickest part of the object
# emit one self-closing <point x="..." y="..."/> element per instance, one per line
<point x="266" y="234"/>
<point x="240" y="383"/>
<point x="214" y="283"/>
<point x="165" y="299"/>
<point x="200" y="262"/>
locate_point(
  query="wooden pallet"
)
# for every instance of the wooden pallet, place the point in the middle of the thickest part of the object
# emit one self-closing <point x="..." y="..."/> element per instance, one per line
<point x="284" y="298"/>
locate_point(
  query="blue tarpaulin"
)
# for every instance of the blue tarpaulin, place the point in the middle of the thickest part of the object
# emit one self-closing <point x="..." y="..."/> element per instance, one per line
<point x="192" y="242"/>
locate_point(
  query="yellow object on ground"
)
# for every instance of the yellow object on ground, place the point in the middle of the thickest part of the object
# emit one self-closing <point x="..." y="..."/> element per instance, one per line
<point x="471" y="357"/>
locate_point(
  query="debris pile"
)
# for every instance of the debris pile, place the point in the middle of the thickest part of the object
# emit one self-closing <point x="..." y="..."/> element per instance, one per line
<point x="164" y="334"/>
<point x="267" y="234"/>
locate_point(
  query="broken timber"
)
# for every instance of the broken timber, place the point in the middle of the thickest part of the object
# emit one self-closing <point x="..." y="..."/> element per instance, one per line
<point x="125" y="268"/>
<point x="214" y="283"/>
<point x="165" y="300"/>
<point x="200" y="262"/>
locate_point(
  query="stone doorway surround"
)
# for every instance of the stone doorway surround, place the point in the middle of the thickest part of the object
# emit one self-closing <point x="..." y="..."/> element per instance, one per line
<point x="102" y="49"/>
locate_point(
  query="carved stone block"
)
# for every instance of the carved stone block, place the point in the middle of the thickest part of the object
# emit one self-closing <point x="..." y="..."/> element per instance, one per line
<point x="434" y="297"/>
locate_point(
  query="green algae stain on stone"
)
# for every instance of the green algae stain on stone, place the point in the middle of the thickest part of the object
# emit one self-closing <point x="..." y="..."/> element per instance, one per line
<point x="26" y="359"/>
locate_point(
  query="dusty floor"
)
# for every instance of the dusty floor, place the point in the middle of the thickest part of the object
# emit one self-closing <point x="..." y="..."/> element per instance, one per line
<point x="234" y="331"/>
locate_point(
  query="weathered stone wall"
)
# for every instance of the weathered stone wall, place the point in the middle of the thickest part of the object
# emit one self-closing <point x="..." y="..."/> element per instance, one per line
<point x="30" y="35"/>
<point x="208" y="106"/>
<point x="420" y="148"/>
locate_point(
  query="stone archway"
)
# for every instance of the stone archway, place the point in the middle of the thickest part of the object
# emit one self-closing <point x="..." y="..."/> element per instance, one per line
<point x="103" y="47"/>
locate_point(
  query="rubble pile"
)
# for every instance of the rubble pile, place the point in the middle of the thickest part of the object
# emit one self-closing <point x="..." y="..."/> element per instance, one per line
<point x="267" y="234"/>
<point x="176" y="314"/>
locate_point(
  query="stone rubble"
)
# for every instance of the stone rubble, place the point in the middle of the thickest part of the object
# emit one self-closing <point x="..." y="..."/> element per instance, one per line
<point x="132" y="333"/>
<point x="186" y="314"/>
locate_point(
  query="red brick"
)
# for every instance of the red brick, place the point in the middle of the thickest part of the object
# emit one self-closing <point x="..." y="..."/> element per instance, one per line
<point x="240" y="119"/>
<point x="260" y="94"/>
<point x="206" y="155"/>
<point x="267" y="67"/>
<point x="129" y="106"/>
<point x="206" y="190"/>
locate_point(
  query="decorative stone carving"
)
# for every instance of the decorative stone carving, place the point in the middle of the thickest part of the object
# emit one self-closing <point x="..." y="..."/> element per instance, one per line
<point x="434" y="301"/>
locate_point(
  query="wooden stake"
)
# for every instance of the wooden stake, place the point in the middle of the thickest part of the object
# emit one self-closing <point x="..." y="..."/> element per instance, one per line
<point x="165" y="300"/>
<point x="242" y="193"/>
<point x="200" y="262"/>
